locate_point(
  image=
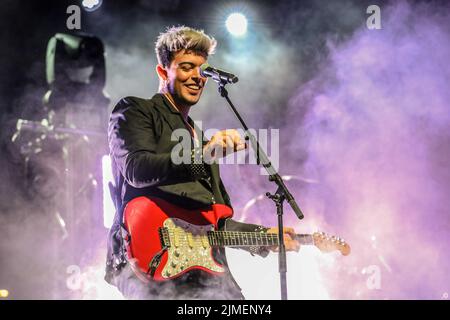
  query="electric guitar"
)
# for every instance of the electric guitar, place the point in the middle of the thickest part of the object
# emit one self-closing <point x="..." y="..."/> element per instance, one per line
<point x="186" y="238"/>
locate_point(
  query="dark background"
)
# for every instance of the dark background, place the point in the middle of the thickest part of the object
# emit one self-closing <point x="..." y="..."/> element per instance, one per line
<point x="129" y="29"/>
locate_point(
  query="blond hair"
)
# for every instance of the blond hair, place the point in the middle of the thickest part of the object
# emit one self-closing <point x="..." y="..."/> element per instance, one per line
<point x="182" y="37"/>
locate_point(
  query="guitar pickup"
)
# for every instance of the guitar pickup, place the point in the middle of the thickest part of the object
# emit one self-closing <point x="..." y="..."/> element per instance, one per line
<point x="164" y="237"/>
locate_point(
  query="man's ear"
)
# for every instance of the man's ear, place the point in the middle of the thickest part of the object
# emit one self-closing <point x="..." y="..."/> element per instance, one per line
<point x="162" y="72"/>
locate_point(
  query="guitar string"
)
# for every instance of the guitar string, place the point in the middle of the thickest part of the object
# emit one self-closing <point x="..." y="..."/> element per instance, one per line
<point x="235" y="234"/>
<point x="238" y="234"/>
<point x="230" y="238"/>
<point x="197" y="240"/>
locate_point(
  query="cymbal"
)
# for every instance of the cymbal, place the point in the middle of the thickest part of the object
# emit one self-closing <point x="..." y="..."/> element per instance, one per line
<point x="253" y="201"/>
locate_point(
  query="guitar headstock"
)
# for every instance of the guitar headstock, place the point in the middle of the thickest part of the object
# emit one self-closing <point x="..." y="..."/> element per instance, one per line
<point x="327" y="243"/>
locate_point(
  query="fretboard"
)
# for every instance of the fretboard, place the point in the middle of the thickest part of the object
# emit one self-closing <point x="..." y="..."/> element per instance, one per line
<point x="242" y="239"/>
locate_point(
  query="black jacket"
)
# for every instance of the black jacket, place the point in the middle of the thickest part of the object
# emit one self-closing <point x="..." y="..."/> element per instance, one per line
<point x="140" y="141"/>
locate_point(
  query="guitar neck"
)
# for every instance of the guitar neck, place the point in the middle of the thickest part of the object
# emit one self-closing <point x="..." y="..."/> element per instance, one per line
<point x="244" y="239"/>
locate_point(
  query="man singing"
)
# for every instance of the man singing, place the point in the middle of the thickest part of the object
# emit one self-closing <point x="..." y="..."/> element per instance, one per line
<point x="141" y="145"/>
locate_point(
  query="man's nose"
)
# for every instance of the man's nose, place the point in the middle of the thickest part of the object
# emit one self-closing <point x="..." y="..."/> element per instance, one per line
<point x="197" y="74"/>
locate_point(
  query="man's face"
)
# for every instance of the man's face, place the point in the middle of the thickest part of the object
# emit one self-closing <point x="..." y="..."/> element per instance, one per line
<point x="185" y="83"/>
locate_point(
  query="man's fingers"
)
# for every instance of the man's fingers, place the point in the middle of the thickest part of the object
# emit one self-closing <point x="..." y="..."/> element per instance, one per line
<point x="236" y="137"/>
<point x="241" y="146"/>
<point x="292" y="245"/>
<point x="229" y="140"/>
<point x="289" y="245"/>
<point x="229" y="143"/>
<point x="289" y="239"/>
<point x="289" y="230"/>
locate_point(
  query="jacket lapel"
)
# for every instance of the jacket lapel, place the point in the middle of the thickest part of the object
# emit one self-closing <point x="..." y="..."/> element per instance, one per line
<point x="170" y="115"/>
<point x="174" y="121"/>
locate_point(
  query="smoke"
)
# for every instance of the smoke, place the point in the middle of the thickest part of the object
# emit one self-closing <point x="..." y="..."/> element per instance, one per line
<point x="375" y="129"/>
<point x="49" y="179"/>
<point x="363" y="121"/>
<point x="371" y="127"/>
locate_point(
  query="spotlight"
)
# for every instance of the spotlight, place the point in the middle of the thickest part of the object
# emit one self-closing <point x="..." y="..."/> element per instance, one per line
<point x="4" y="293"/>
<point x="236" y="24"/>
<point x="91" y="5"/>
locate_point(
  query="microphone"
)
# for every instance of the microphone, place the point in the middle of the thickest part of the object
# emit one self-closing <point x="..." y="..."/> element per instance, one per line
<point x="218" y="75"/>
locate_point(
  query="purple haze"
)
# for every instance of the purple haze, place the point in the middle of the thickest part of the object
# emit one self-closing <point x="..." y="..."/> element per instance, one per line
<point x="375" y="124"/>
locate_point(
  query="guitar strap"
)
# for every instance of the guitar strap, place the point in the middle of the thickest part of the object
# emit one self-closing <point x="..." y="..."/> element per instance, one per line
<point x="156" y="260"/>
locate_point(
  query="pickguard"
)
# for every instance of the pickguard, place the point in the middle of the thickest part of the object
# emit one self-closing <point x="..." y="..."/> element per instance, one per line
<point x="189" y="247"/>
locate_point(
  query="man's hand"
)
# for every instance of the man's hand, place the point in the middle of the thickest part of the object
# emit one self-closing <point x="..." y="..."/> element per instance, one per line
<point x="222" y="144"/>
<point x="289" y="242"/>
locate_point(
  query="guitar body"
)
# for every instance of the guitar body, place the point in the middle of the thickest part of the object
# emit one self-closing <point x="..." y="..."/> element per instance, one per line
<point x="178" y="235"/>
<point x="165" y="241"/>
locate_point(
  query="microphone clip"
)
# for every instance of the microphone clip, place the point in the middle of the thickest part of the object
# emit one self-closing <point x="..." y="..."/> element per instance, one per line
<point x="219" y="76"/>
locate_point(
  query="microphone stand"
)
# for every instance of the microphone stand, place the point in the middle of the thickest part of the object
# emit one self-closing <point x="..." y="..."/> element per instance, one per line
<point x="282" y="193"/>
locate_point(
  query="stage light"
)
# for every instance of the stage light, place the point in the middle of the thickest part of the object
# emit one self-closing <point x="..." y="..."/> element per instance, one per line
<point x="75" y="63"/>
<point x="4" y="293"/>
<point x="236" y="24"/>
<point x="91" y="5"/>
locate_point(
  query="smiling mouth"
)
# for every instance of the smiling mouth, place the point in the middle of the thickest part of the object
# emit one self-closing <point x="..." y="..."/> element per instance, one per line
<point x="193" y="87"/>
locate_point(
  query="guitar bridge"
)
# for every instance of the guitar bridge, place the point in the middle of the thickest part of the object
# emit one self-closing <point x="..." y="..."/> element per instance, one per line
<point x="164" y="237"/>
